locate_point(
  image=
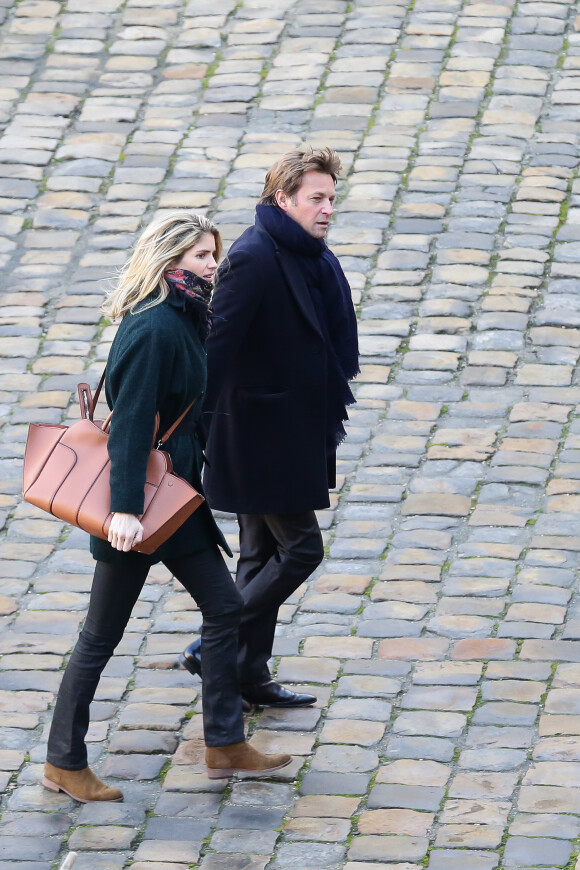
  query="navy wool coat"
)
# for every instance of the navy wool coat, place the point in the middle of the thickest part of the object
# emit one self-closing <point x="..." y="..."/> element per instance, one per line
<point x="265" y="408"/>
<point x="156" y="363"/>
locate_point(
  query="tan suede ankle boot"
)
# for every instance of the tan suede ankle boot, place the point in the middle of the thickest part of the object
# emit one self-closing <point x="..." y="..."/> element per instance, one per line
<point x="224" y="761"/>
<point x="82" y="785"/>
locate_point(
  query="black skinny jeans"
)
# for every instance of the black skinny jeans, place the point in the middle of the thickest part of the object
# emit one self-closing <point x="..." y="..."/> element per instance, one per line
<point x="278" y="552"/>
<point x="115" y="590"/>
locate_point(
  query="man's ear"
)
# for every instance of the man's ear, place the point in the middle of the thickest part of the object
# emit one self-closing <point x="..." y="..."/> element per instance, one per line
<point x="282" y="200"/>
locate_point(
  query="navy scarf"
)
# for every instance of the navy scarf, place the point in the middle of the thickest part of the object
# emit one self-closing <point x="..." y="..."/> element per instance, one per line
<point x="332" y="300"/>
<point x="195" y="295"/>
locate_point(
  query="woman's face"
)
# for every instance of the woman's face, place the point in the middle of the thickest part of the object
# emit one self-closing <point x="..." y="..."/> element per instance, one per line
<point x="199" y="259"/>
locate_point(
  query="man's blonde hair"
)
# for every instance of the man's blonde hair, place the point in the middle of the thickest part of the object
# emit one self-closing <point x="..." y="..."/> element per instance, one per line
<point x="159" y="246"/>
<point x="288" y="172"/>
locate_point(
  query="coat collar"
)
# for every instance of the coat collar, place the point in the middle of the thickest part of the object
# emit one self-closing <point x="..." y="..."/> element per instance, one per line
<point x="175" y="301"/>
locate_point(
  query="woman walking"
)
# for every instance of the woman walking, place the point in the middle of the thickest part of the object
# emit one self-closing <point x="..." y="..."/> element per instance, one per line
<point x="157" y="364"/>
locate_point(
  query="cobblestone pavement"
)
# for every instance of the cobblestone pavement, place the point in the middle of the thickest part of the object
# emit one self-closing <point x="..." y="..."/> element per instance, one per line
<point x="442" y="634"/>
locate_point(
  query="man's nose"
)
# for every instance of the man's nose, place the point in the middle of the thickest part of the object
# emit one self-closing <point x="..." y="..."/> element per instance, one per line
<point x="328" y="207"/>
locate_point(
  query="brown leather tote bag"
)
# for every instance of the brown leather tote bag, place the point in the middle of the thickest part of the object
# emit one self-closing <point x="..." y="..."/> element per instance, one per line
<point x="66" y="473"/>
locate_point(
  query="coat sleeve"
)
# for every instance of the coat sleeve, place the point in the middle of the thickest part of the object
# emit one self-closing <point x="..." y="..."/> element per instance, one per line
<point x="138" y="385"/>
<point x="240" y="287"/>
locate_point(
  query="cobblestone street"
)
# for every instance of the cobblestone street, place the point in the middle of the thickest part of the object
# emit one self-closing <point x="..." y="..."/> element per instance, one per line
<point x="442" y="633"/>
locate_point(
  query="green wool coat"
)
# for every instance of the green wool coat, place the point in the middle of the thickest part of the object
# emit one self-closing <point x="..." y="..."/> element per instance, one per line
<point x="157" y="362"/>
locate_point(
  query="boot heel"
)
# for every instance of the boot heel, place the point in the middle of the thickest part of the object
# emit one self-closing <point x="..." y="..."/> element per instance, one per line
<point x="189" y="665"/>
<point x="220" y="772"/>
<point x="51" y="786"/>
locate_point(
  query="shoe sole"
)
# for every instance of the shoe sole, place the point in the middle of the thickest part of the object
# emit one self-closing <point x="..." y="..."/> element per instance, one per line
<point x="52" y="786"/>
<point x="281" y="706"/>
<point x="227" y="772"/>
<point x="189" y="665"/>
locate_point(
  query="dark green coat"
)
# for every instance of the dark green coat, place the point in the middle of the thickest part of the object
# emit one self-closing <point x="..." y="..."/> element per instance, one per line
<point x="157" y="362"/>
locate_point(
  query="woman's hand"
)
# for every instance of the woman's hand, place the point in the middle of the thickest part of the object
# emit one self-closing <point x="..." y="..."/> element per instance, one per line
<point x="125" y="531"/>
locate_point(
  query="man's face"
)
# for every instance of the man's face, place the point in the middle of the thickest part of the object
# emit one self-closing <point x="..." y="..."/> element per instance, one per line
<point x="312" y="204"/>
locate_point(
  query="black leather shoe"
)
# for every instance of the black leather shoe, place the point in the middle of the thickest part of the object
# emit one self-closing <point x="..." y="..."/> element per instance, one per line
<point x="272" y="694"/>
<point x="190" y="658"/>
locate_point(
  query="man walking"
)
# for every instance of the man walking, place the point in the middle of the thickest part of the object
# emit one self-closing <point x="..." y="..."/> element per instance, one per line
<point x="282" y="350"/>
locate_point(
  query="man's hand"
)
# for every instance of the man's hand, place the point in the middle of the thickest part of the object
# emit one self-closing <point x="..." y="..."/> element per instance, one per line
<point x="125" y="531"/>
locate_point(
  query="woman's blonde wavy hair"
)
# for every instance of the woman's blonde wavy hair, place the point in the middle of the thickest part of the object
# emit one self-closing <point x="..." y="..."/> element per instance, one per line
<point x="159" y="246"/>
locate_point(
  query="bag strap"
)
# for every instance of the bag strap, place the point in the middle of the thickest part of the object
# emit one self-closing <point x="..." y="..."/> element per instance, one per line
<point x="172" y="429"/>
<point x="167" y="435"/>
<point x="89" y="403"/>
<point x="98" y="392"/>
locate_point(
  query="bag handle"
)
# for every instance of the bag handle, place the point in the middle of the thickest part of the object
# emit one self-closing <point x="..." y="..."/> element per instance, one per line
<point x="87" y="402"/>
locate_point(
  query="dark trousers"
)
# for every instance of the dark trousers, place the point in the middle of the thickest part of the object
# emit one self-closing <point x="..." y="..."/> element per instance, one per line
<point x="277" y="553"/>
<point x="114" y="592"/>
